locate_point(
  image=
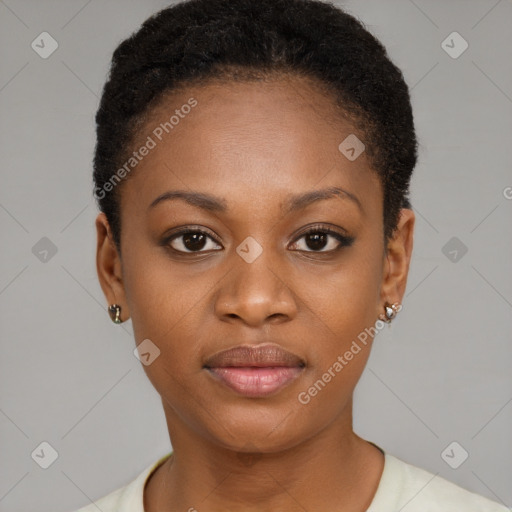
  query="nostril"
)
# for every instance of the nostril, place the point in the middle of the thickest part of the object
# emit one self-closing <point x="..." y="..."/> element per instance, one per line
<point x="276" y="315"/>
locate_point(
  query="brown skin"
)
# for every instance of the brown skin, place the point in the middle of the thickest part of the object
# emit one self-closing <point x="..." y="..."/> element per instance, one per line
<point x="255" y="145"/>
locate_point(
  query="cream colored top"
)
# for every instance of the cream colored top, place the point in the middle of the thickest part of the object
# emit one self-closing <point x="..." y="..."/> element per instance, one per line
<point x="402" y="487"/>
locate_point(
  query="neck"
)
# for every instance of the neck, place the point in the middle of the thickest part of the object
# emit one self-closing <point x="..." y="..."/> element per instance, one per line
<point x="334" y="470"/>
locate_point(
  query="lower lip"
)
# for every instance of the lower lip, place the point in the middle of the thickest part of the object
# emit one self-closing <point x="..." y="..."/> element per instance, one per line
<point x="256" y="382"/>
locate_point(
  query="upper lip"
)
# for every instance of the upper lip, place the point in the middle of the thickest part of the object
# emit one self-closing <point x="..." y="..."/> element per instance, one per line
<point x="263" y="355"/>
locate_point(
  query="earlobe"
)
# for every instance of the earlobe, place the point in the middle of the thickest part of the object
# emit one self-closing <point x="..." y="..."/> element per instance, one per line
<point x="397" y="259"/>
<point x="108" y="266"/>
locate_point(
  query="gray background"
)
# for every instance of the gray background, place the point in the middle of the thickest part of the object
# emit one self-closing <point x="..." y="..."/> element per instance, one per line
<point x="68" y="376"/>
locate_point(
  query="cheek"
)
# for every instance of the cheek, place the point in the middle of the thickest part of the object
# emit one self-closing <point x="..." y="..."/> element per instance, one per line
<point x="158" y="294"/>
<point x="342" y="347"/>
<point x="343" y="312"/>
<point x="169" y="305"/>
<point x="162" y="307"/>
<point x="344" y="300"/>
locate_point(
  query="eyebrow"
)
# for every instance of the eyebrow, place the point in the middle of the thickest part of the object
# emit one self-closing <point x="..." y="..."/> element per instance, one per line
<point x="201" y="200"/>
<point x="214" y="204"/>
<point x="302" y="200"/>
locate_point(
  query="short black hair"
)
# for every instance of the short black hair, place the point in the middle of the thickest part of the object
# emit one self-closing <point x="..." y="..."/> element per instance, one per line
<point x="195" y="41"/>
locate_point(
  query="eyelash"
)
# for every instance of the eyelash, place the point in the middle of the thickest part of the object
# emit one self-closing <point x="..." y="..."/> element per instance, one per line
<point x="344" y="240"/>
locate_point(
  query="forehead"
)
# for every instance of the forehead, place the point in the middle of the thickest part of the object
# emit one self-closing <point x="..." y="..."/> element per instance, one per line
<point x="247" y="138"/>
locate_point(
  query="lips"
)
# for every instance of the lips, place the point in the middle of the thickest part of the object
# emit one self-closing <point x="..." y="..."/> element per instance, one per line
<point x="255" y="371"/>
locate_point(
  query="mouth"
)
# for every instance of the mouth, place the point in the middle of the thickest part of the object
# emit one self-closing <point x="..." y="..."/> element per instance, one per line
<point x="255" y="371"/>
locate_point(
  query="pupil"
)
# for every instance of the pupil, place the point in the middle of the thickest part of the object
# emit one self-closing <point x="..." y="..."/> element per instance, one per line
<point x="316" y="241"/>
<point x="194" y="241"/>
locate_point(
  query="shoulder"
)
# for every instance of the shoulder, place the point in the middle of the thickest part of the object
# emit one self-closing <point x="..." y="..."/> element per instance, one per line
<point x="129" y="498"/>
<point x="412" y="489"/>
<point x="109" y="503"/>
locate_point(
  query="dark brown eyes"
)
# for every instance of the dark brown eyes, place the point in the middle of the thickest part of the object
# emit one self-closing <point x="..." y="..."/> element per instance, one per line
<point x="315" y="239"/>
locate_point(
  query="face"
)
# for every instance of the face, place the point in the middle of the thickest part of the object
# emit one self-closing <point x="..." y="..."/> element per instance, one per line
<point x="245" y="225"/>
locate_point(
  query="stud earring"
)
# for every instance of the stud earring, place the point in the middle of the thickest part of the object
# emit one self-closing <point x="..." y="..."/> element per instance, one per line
<point x="114" y="311"/>
<point x="390" y="311"/>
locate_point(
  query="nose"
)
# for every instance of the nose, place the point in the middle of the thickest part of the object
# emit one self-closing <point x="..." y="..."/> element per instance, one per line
<point x="255" y="293"/>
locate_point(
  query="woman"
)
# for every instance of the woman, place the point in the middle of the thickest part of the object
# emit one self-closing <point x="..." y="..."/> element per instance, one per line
<point x="252" y="170"/>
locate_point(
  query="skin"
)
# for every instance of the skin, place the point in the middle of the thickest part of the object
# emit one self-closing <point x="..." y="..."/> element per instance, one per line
<point x="254" y="145"/>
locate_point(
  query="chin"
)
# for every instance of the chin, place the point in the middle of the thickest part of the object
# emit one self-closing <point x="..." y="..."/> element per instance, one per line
<point x="257" y="431"/>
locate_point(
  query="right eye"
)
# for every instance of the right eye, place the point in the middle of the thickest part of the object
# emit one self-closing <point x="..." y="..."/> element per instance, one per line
<point x="192" y="241"/>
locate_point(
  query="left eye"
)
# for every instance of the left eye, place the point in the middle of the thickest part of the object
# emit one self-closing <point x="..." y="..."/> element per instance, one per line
<point x="193" y="241"/>
<point x="321" y="241"/>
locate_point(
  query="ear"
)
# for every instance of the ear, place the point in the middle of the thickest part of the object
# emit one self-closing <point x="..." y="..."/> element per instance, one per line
<point x="397" y="258"/>
<point x="109" y="267"/>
